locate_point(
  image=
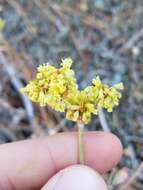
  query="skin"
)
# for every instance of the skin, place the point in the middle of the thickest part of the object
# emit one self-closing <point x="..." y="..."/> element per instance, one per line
<point x="29" y="164"/>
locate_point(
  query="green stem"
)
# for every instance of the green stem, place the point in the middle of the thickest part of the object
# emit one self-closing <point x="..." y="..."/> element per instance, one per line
<point x="81" y="142"/>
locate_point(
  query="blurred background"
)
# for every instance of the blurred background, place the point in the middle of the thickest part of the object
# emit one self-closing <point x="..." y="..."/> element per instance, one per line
<point x="103" y="37"/>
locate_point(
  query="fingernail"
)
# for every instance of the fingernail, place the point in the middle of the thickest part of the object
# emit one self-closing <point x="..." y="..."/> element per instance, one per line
<point x="75" y="178"/>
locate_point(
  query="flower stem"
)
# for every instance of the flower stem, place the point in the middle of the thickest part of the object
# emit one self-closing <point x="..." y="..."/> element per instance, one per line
<point x="81" y="142"/>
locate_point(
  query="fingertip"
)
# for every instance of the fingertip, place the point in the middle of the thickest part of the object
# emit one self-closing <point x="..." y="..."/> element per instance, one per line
<point x="76" y="177"/>
<point x="117" y="145"/>
<point x="116" y="149"/>
<point x="109" y="150"/>
<point x="114" y="142"/>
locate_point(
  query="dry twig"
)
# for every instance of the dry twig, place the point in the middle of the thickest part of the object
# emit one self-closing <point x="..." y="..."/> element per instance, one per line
<point x="132" y="178"/>
<point x="103" y="121"/>
<point x="129" y="44"/>
<point x="18" y="85"/>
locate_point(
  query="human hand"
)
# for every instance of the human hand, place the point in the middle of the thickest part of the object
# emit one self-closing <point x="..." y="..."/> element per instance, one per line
<point x="29" y="164"/>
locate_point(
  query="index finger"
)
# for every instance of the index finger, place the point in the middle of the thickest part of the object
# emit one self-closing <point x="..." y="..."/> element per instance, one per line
<point x="29" y="164"/>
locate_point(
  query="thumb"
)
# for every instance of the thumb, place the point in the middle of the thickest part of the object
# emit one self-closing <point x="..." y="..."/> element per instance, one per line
<point x="75" y="178"/>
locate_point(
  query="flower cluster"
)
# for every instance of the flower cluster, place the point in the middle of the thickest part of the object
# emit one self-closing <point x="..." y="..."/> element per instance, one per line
<point x="57" y="87"/>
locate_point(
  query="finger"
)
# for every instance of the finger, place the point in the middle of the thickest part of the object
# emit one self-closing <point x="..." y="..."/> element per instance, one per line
<point x="75" y="178"/>
<point x="29" y="164"/>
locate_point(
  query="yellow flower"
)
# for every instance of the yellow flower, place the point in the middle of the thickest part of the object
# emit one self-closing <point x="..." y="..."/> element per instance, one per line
<point x="79" y="107"/>
<point x="57" y="87"/>
<point x="2" y="23"/>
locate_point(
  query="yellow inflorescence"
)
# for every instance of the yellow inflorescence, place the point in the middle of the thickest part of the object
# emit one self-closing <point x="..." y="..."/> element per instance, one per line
<point x="57" y="87"/>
